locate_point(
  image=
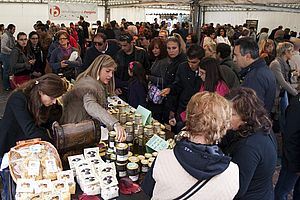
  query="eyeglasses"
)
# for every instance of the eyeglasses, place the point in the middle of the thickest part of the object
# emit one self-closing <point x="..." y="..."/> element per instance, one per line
<point x="62" y="38"/>
<point x="24" y="39"/>
<point x="98" y="43"/>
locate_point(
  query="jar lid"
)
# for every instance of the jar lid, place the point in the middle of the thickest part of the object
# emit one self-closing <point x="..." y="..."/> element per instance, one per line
<point x="112" y="133"/>
<point x="149" y="126"/>
<point x="138" y="115"/>
<point x="162" y="133"/>
<point x="121" y="146"/>
<point x="133" y="159"/>
<point x="141" y="157"/>
<point x="151" y="159"/>
<point x="132" y="166"/>
<point x="154" y="154"/>
<point x="144" y="162"/>
<point x="130" y="153"/>
<point x="148" y="155"/>
<point x="129" y="123"/>
<point x="156" y="124"/>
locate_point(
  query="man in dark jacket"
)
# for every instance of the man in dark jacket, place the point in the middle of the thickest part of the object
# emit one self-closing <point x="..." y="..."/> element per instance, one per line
<point x="100" y="46"/>
<point x="290" y="166"/>
<point x="187" y="82"/>
<point x="128" y="53"/>
<point x="255" y="72"/>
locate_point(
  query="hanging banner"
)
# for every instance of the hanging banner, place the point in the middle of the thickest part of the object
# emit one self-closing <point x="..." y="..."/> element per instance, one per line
<point x="71" y="11"/>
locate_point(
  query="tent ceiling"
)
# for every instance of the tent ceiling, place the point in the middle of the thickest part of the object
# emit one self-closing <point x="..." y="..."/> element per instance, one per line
<point x="210" y="5"/>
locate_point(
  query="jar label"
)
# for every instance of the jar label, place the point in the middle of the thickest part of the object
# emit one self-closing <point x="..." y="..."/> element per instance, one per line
<point x="134" y="178"/>
<point x="122" y="173"/>
<point x="145" y="169"/>
<point x="122" y="157"/>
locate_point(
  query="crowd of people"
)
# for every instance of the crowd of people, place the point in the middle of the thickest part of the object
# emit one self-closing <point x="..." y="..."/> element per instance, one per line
<point x="224" y="94"/>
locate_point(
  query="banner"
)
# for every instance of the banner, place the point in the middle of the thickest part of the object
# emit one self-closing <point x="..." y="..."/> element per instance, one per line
<point x="71" y="11"/>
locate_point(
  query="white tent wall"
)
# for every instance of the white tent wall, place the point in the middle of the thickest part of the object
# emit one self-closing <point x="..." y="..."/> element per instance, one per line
<point x="24" y="15"/>
<point x="265" y="19"/>
<point x="131" y="14"/>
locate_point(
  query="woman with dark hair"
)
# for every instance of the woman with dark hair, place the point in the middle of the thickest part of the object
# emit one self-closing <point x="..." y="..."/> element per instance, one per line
<point x="27" y="115"/>
<point x="158" y="53"/>
<point x="196" y="168"/>
<point x="65" y="59"/>
<point x="21" y="61"/>
<point x="27" y="110"/>
<point x="36" y="49"/>
<point x="137" y="85"/>
<point x="221" y="36"/>
<point x="213" y="81"/>
<point x="251" y="144"/>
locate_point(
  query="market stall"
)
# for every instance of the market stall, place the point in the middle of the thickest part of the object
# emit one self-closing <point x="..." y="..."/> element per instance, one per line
<point x="108" y="168"/>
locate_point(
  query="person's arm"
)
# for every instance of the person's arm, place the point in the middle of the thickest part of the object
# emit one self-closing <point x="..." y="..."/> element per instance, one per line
<point x="4" y="47"/>
<point x="15" y="66"/>
<point x="94" y="109"/>
<point x="247" y="166"/>
<point x="276" y="68"/>
<point x="54" y="62"/>
<point x="19" y="106"/>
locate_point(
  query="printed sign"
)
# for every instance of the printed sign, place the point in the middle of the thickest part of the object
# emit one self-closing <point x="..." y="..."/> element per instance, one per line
<point x="71" y="11"/>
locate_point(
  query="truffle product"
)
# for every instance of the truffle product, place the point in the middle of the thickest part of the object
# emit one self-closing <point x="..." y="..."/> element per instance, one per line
<point x="62" y="187"/>
<point x="43" y="186"/>
<point x="73" y="160"/>
<point x="145" y="167"/>
<point x="138" y="118"/>
<point x="148" y="155"/>
<point x="110" y="192"/>
<point x="123" y="117"/>
<point x="129" y="127"/>
<point x="122" y="152"/>
<point x="91" y="153"/>
<point x="156" y="127"/>
<point x="25" y="185"/>
<point x="133" y="159"/>
<point x="162" y="134"/>
<point x="154" y="154"/>
<point x="111" y="139"/>
<point x="68" y="177"/>
<point x="133" y="171"/>
<point x="121" y="169"/>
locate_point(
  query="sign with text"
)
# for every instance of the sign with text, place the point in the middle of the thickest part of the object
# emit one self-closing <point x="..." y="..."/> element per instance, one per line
<point x="156" y="143"/>
<point x="72" y="11"/>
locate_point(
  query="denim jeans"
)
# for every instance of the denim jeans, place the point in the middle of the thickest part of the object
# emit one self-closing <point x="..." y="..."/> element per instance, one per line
<point x="5" y="76"/>
<point x="9" y="187"/>
<point x="287" y="180"/>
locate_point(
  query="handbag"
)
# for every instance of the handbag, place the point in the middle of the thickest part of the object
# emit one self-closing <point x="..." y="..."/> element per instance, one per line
<point x="154" y="93"/>
<point x="192" y="190"/>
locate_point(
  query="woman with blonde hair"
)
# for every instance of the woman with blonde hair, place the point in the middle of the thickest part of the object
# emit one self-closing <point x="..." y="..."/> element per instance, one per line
<point x="266" y="50"/>
<point x="88" y="97"/>
<point x="196" y="168"/>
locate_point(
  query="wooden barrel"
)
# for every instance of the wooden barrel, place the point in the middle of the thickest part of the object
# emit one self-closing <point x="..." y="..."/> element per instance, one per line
<point x="74" y="136"/>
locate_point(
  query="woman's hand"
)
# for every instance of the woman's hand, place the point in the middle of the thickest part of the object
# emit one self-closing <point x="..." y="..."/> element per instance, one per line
<point x="63" y="64"/>
<point x="121" y="134"/>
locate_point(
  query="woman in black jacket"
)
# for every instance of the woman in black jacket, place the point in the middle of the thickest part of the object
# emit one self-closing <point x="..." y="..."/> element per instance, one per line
<point x="21" y="61"/>
<point x="27" y="114"/>
<point x="176" y="57"/>
<point x="252" y="145"/>
<point x="40" y="57"/>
